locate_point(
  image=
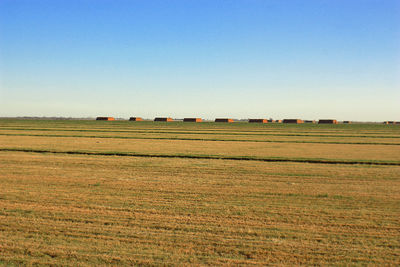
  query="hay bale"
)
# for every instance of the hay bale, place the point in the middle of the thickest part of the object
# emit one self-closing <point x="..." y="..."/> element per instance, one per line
<point x="223" y="120"/>
<point x="192" y="119"/>
<point x="258" y="121"/>
<point x="296" y="121"/>
<point x="327" y="121"/>
<point x="135" y="119"/>
<point x="163" y="119"/>
<point x="105" y="119"/>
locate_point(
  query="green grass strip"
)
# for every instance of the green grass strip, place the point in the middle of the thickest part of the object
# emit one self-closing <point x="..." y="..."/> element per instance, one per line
<point x="191" y="156"/>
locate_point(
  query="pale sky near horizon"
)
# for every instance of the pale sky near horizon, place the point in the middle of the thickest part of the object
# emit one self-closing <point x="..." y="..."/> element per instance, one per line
<point x="207" y="58"/>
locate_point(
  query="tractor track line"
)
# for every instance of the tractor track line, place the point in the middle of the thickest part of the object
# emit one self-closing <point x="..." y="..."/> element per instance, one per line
<point x="188" y="156"/>
<point x="205" y="133"/>
<point x="201" y="139"/>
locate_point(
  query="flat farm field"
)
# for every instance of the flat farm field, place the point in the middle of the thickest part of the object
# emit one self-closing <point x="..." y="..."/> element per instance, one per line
<point x="156" y="193"/>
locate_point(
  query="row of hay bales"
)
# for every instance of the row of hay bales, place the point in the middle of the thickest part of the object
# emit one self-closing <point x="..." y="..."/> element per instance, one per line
<point x="229" y="120"/>
<point x="299" y="121"/>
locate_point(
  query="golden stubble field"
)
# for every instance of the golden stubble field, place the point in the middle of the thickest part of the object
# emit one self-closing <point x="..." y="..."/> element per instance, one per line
<point x="64" y="208"/>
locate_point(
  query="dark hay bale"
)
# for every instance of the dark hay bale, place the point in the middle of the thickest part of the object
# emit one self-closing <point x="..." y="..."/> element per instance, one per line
<point x="258" y="121"/>
<point x="163" y="119"/>
<point x="192" y="119"/>
<point x="223" y="120"/>
<point x="105" y="119"/>
<point x="296" y="121"/>
<point x="329" y="121"/>
<point x="135" y="119"/>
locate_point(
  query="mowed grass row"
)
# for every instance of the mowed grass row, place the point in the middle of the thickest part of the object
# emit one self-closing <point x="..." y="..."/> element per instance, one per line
<point x="205" y="127"/>
<point x="211" y="148"/>
<point x="298" y="132"/>
<point x="243" y="132"/>
<point x="94" y="210"/>
<point x="207" y="137"/>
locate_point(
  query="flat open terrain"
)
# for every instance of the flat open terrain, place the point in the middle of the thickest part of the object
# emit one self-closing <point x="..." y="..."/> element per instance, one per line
<point x="123" y="193"/>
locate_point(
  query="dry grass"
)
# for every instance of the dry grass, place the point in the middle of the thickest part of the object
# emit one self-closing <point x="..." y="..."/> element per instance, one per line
<point x="295" y="150"/>
<point x="211" y="136"/>
<point x="96" y="210"/>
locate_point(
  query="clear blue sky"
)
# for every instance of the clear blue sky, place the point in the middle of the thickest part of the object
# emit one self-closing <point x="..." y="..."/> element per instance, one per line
<point x="243" y="59"/>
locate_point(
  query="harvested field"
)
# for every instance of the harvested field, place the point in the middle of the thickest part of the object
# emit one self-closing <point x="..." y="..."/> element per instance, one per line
<point x="89" y="193"/>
